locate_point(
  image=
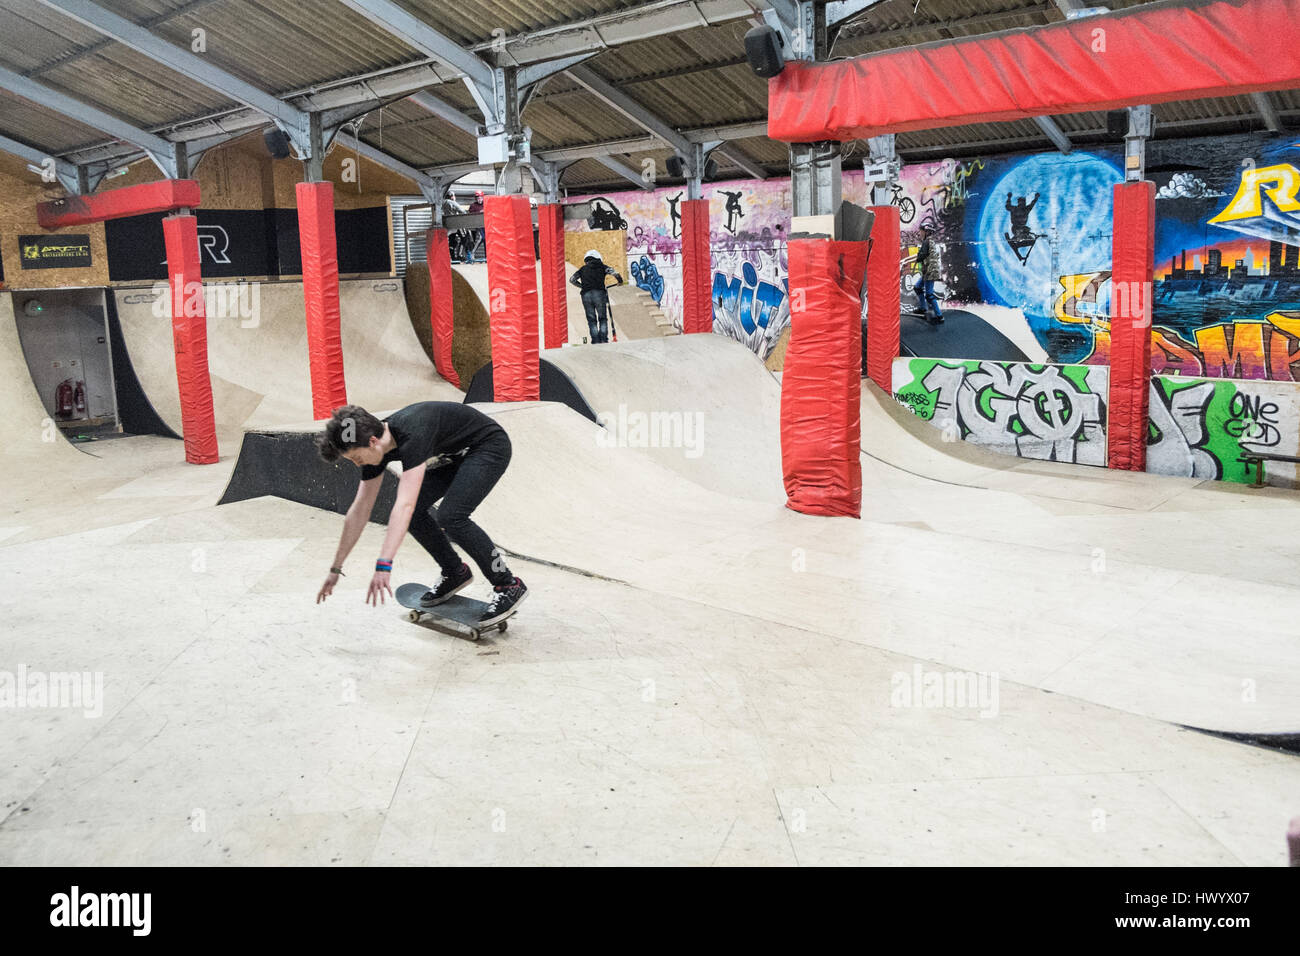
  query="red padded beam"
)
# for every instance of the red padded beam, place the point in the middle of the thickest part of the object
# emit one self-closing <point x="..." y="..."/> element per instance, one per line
<point x="190" y="337"/>
<point x="512" y="298"/>
<point x="1133" y="246"/>
<point x="1150" y="53"/>
<point x="697" y="267"/>
<point x="555" y="302"/>
<point x="884" y="286"/>
<point x="320" y="292"/>
<point x="441" y="304"/>
<point x="163" y="196"/>
<point x="822" y="382"/>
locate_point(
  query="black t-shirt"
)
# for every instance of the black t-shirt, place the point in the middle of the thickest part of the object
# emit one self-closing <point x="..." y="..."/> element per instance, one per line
<point x="426" y="430"/>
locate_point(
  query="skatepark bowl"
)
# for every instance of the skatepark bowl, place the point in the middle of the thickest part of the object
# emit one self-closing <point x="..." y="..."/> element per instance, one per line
<point x="1003" y="662"/>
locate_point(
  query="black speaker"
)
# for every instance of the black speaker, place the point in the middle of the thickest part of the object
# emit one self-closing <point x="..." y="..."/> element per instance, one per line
<point x="710" y="169"/>
<point x="277" y="143"/>
<point x="763" y="48"/>
<point x="1117" y="123"/>
<point x="676" y="167"/>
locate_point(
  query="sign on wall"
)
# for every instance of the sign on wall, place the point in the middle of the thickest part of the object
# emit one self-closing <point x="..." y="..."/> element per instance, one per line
<point x="54" y="252"/>
<point x="246" y="242"/>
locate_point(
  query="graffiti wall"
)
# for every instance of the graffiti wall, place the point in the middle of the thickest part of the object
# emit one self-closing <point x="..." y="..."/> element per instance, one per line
<point x="748" y="220"/>
<point x="1024" y="244"/>
<point x="1048" y="412"/>
<point x="1199" y="427"/>
<point x="1007" y="228"/>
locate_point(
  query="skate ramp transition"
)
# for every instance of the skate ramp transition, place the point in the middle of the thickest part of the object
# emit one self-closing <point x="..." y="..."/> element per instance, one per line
<point x="552" y="386"/>
<point x="257" y="352"/>
<point x="31" y="439"/>
<point x="50" y="487"/>
<point x="471" y="346"/>
<point x="979" y="580"/>
<point x="703" y="406"/>
<point x="961" y="333"/>
<point x="1087" y="583"/>
<point x="733" y="404"/>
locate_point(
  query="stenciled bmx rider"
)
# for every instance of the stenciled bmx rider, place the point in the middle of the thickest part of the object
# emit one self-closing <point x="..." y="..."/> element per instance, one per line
<point x="448" y="451"/>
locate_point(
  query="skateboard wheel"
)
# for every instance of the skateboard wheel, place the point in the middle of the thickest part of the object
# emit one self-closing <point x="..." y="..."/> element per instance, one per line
<point x="502" y="625"/>
<point x="412" y="616"/>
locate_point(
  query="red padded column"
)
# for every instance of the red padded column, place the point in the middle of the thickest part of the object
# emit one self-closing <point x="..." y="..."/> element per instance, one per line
<point x="555" y="303"/>
<point x="1133" y="246"/>
<point x="884" y="287"/>
<point x="512" y="294"/>
<point x="441" y="304"/>
<point x="697" y="267"/>
<point x="822" y="382"/>
<point x="190" y="336"/>
<point x="320" y="292"/>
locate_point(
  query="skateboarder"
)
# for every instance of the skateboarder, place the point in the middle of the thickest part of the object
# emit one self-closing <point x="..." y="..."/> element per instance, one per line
<point x="595" y="300"/>
<point x="1021" y="238"/>
<point x="448" y="451"/>
<point x="674" y="215"/>
<point x="733" y="210"/>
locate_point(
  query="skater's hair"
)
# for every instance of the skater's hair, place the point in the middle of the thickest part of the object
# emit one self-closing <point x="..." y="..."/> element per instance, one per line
<point x="351" y="426"/>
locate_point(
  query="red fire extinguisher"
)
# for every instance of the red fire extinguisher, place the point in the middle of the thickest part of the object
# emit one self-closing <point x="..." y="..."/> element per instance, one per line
<point x="70" y="399"/>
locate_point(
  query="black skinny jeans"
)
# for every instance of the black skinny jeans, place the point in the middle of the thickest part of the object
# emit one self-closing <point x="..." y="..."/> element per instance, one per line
<point x="595" y="303"/>
<point x="462" y="485"/>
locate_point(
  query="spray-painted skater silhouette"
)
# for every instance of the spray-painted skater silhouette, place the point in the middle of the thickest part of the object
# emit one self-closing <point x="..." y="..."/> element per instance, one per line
<point x="1021" y="238"/>
<point x="675" y="215"/>
<point x="733" y="210"/>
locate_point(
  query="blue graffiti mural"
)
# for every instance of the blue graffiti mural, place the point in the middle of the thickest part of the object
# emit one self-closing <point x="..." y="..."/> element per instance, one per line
<point x="751" y="302"/>
<point x="646" y="276"/>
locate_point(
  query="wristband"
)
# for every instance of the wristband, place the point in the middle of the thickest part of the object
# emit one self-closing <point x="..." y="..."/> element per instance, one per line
<point x="382" y="565"/>
<point x="338" y="571"/>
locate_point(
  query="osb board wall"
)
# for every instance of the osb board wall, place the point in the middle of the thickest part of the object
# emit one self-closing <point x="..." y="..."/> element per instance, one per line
<point x="242" y="175"/>
<point x="611" y="244"/>
<point x="415" y="285"/>
<point x="471" y="341"/>
<point x="19" y="194"/>
<point x="373" y="183"/>
<point x="231" y="177"/>
<point x="239" y="175"/>
<point x="776" y="361"/>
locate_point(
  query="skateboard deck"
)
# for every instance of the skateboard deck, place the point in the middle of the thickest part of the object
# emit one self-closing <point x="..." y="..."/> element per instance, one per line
<point x="455" y="616"/>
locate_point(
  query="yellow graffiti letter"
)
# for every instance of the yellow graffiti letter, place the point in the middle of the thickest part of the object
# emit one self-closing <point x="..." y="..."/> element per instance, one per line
<point x="1282" y="183"/>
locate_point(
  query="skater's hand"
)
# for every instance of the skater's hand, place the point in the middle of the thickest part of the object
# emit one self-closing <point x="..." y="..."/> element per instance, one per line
<point x="327" y="588"/>
<point x="378" y="585"/>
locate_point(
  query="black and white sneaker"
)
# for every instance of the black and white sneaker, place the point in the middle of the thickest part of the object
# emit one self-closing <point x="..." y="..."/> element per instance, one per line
<point x="447" y="586"/>
<point x="505" y="601"/>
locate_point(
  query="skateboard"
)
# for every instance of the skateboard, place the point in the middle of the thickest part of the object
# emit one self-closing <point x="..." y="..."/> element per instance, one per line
<point x="445" y="617"/>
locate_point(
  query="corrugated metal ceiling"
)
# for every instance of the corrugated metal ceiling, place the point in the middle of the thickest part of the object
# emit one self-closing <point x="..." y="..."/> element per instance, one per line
<point x="693" y="78"/>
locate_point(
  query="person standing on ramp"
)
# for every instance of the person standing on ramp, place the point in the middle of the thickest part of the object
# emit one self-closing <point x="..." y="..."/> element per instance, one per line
<point x="450" y="452"/>
<point x="595" y="300"/>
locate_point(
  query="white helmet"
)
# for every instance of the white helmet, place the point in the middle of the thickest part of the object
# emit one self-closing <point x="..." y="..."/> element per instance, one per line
<point x="593" y="254"/>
